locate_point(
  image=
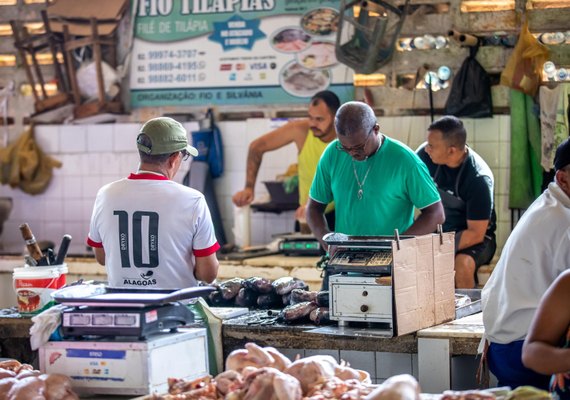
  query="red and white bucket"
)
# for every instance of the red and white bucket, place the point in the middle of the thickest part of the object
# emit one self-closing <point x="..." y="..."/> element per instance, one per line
<point x="34" y="286"/>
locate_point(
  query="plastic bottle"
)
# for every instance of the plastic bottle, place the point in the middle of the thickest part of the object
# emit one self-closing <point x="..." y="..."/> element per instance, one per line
<point x="444" y="73"/>
<point x="549" y="70"/>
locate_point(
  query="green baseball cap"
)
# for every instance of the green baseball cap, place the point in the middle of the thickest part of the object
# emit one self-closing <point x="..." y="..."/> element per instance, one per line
<point x="166" y="135"/>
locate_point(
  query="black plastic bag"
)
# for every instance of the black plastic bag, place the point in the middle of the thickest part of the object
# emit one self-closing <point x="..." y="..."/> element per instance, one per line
<point x="470" y="94"/>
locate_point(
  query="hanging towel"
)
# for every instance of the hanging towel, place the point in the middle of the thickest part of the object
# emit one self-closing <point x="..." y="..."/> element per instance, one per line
<point x="526" y="171"/>
<point x="553" y="120"/>
<point x="24" y="165"/>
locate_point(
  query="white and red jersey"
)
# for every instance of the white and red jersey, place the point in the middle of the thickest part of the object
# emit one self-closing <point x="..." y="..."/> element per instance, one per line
<point x="152" y="229"/>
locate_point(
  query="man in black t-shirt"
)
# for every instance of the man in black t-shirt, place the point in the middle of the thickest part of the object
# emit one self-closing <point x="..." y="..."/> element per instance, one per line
<point x="465" y="184"/>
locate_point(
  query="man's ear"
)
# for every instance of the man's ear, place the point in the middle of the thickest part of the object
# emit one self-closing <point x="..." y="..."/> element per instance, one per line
<point x="563" y="180"/>
<point x="172" y="159"/>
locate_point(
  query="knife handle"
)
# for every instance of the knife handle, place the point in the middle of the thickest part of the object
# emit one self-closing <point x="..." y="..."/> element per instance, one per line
<point x="63" y="247"/>
<point x="31" y="243"/>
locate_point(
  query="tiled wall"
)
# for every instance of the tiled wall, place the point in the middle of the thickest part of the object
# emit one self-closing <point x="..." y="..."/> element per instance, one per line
<point x="94" y="155"/>
<point x="382" y="365"/>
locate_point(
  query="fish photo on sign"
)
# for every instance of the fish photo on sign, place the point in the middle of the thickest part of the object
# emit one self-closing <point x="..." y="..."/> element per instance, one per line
<point x="319" y="55"/>
<point x="302" y="82"/>
<point x="290" y="40"/>
<point x="320" y="21"/>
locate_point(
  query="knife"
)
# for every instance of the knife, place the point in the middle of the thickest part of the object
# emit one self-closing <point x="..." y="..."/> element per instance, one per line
<point x="63" y="247"/>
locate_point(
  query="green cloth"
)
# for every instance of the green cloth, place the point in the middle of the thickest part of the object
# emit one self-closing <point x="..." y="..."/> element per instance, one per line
<point x="525" y="172"/>
<point x="201" y="317"/>
<point x="394" y="181"/>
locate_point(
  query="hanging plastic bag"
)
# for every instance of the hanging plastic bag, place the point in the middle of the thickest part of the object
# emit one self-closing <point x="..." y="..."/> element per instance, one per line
<point x="470" y="94"/>
<point x="209" y="144"/>
<point x="523" y="70"/>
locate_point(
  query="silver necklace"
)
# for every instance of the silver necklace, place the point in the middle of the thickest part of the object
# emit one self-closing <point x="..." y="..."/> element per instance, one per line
<point x="360" y="192"/>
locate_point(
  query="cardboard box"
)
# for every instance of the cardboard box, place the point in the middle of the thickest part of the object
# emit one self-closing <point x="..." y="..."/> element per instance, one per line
<point x="423" y="282"/>
<point x="127" y="367"/>
<point x="420" y="292"/>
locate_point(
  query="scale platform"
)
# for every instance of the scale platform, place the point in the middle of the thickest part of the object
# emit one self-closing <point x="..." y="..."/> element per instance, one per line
<point x="98" y="310"/>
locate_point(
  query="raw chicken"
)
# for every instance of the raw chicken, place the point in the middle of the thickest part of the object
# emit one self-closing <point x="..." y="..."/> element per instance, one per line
<point x="22" y="382"/>
<point x="316" y="370"/>
<point x="271" y="384"/>
<point x="311" y="371"/>
<point x="398" y="387"/>
<point x="228" y="381"/>
<point x="256" y="356"/>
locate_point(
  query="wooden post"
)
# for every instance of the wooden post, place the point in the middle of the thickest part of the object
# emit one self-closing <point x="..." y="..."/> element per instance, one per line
<point x="98" y="61"/>
<point x="70" y="67"/>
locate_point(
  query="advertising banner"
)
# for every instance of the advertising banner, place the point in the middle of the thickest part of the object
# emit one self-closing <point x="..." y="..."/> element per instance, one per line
<point x="235" y="52"/>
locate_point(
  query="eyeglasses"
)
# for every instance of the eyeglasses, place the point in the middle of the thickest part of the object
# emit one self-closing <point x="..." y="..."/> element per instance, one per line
<point x="185" y="155"/>
<point x="359" y="148"/>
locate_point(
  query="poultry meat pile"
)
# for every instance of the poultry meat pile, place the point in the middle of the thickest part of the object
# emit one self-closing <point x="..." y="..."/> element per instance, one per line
<point x="22" y="382"/>
<point x="263" y="373"/>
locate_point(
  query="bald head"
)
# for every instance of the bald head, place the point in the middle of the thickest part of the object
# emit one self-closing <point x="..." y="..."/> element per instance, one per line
<point x="354" y="117"/>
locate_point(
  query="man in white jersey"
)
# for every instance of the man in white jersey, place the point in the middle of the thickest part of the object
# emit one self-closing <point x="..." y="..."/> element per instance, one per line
<point x="148" y="230"/>
<point x="537" y="251"/>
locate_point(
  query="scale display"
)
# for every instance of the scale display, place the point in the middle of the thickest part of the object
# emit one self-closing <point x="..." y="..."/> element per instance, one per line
<point x="120" y="321"/>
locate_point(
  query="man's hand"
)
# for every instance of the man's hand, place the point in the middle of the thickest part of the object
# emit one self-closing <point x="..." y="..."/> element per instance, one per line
<point x="300" y="214"/>
<point x="243" y="197"/>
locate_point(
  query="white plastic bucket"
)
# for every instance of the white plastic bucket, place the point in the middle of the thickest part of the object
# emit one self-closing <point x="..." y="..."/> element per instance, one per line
<point x="34" y="286"/>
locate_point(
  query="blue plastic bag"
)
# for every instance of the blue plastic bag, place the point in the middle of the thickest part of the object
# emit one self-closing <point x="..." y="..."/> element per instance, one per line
<point x="209" y="145"/>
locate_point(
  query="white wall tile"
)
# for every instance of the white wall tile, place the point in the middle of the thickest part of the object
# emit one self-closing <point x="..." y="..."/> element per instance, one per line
<point x="128" y="162"/>
<point x="415" y="366"/>
<point x="55" y="188"/>
<point x="487" y="130"/>
<point x="53" y="209"/>
<point x="73" y="188"/>
<point x="489" y="152"/>
<point x="390" y="364"/>
<point x="73" y="164"/>
<point x="125" y="137"/>
<point x="55" y="231"/>
<point x="73" y="139"/>
<point x="503" y="175"/>
<point x="73" y="210"/>
<point x="77" y="230"/>
<point x="47" y="138"/>
<point x="463" y="371"/>
<point x="235" y="158"/>
<point x="292" y="354"/>
<point x="234" y="133"/>
<point x="110" y="164"/>
<point x="504" y="128"/>
<point x="100" y="138"/>
<point x="364" y="360"/>
<point x="90" y="185"/>
<point x="504" y="154"/>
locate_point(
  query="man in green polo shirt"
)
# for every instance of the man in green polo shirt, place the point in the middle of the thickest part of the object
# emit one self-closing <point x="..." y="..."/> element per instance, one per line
<point x="375" y="182"/>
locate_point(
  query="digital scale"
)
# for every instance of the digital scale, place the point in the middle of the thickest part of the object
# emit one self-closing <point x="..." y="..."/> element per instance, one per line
<point x="300" y="244"/>
<point x="98" y="310"/>
<point x="126" y="341"/>
<point x="117" y="321"/>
